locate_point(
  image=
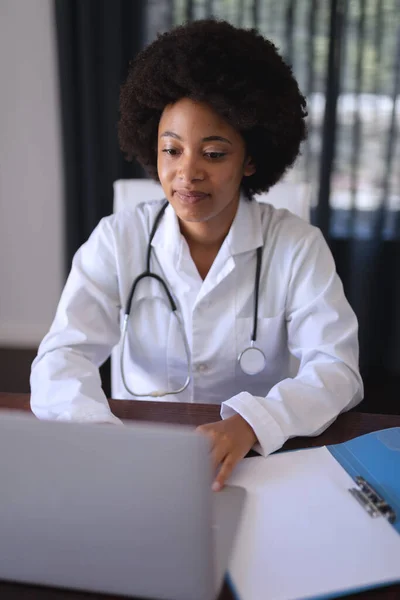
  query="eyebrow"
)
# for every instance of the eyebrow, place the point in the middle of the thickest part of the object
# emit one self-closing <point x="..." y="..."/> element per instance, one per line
<point x="210" y="138"/>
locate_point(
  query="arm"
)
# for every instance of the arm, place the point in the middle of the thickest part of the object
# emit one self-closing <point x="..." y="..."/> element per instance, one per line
<point x="65" y="380"/>
<point x="322" y="334"/>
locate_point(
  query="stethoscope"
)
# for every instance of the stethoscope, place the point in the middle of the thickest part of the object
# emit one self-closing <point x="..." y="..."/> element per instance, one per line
<point x="251" y="360"/>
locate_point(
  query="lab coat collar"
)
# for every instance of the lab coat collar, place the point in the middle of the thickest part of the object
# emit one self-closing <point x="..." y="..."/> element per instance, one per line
<point x="244" y="235"/>
<point x="168" y="235"/>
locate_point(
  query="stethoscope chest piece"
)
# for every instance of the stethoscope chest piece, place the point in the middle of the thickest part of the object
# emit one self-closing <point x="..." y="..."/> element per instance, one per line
<point x="252" y="360"/>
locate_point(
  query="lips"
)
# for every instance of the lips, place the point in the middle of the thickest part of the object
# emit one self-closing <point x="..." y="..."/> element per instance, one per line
<point x="190" y="196"/>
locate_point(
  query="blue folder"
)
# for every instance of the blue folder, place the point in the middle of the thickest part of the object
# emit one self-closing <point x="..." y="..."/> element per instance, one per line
<point x="373" y="463"/>
<point x="375" y="457"/>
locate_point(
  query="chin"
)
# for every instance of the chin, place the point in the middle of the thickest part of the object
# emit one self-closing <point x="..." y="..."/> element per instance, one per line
<point x="196" y="213"/>
<point x="193" y="216"/>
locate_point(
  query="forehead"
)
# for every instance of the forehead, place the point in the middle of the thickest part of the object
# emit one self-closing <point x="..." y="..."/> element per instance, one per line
<point x="188" y="117"/>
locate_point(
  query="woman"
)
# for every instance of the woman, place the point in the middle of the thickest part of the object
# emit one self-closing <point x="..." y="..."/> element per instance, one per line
<point x="216" y="115"/>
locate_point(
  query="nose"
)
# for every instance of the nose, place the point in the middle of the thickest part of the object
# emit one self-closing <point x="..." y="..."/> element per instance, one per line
<point x="190" y="169"/>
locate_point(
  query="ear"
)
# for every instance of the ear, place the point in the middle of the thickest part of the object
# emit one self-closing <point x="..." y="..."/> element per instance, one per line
<point x="249" y="168"/>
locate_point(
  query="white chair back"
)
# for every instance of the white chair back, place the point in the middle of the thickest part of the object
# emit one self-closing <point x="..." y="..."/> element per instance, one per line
<point x="293" y="196"/>
<point x="130" y="192"/>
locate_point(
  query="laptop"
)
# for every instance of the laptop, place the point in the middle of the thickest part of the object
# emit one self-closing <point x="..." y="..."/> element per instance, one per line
<point x="121" y="510"/>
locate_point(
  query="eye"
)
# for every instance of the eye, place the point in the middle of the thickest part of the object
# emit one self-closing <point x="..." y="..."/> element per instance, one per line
<point x="170" y="151"/>
<point x="215" y="155"/>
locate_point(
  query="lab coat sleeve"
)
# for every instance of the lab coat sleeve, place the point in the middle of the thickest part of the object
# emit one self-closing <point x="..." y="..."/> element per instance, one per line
<point x="65" y="379"/>
<point x="322" y="333"/>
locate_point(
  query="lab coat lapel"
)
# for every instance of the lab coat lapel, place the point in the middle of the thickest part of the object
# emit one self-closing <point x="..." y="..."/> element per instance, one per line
<point x="244" y="235"/>
<point x="168" y="244"/>
<point x="246" y="231"/>
<point x="167" y="236"/>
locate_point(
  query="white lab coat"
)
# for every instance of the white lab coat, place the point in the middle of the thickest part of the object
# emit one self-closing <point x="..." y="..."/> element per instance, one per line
<point x="302" y="311"/>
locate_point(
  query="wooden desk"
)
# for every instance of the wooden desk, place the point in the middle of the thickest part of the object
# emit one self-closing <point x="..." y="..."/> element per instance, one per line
<point x="347" y="426"/>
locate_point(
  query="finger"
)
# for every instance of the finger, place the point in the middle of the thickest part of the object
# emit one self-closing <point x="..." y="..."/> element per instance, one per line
<point x="224" y="472"/>
<point x="218" y="454"/>
<point x="207" y="427"/>
<point x="201" y="429"/>
<point x="210" y="433"/>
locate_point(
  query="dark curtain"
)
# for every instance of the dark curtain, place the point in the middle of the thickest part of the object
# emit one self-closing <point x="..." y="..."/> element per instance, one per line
<point x="365" y="241"/>
<point x="96" y="39"/>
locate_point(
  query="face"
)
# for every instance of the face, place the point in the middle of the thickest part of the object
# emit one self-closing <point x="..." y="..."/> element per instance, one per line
<point x="201" y="161"/>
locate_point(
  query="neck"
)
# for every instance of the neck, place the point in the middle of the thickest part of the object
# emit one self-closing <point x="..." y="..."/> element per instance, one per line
<point x="210" y="234"/>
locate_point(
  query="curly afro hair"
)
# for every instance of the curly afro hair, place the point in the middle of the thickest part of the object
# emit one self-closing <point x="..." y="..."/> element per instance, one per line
<point x="238" y="73"/>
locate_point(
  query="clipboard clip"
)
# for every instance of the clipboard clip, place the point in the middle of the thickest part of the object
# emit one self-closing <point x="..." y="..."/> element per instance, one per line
<point x="373" y="503"/>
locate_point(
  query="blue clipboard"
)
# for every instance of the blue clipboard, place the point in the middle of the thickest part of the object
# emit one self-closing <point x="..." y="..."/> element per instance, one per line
<point x="373" y="463"/>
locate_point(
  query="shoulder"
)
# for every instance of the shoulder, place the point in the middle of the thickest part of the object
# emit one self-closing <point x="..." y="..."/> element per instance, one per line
<point x="283" y="225"/>
<point x="133" y="224"/>
<point x="122" y="235"/>
<point x="139" y="218"/>
<point x="291" y="243"/>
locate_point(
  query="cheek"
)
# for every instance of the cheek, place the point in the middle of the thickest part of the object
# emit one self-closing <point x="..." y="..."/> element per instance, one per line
<point x="231" y="174"/>
<point x="163" y="169"/>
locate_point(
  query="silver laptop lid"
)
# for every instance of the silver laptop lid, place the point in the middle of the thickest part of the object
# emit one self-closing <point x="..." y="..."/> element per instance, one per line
<point x="123" y="510"/>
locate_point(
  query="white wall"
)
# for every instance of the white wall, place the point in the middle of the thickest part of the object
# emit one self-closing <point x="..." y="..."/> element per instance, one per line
<point x="31" y="194"/>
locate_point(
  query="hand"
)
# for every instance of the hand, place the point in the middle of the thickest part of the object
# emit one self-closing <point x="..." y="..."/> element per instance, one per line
<point x="231" y="440"/>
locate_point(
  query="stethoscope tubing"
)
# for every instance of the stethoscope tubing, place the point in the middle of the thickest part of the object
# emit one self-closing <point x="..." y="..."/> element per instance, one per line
<point x="149" y="274"/>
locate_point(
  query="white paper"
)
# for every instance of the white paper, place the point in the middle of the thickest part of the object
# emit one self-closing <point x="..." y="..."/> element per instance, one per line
<point x="303" y="534"/>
